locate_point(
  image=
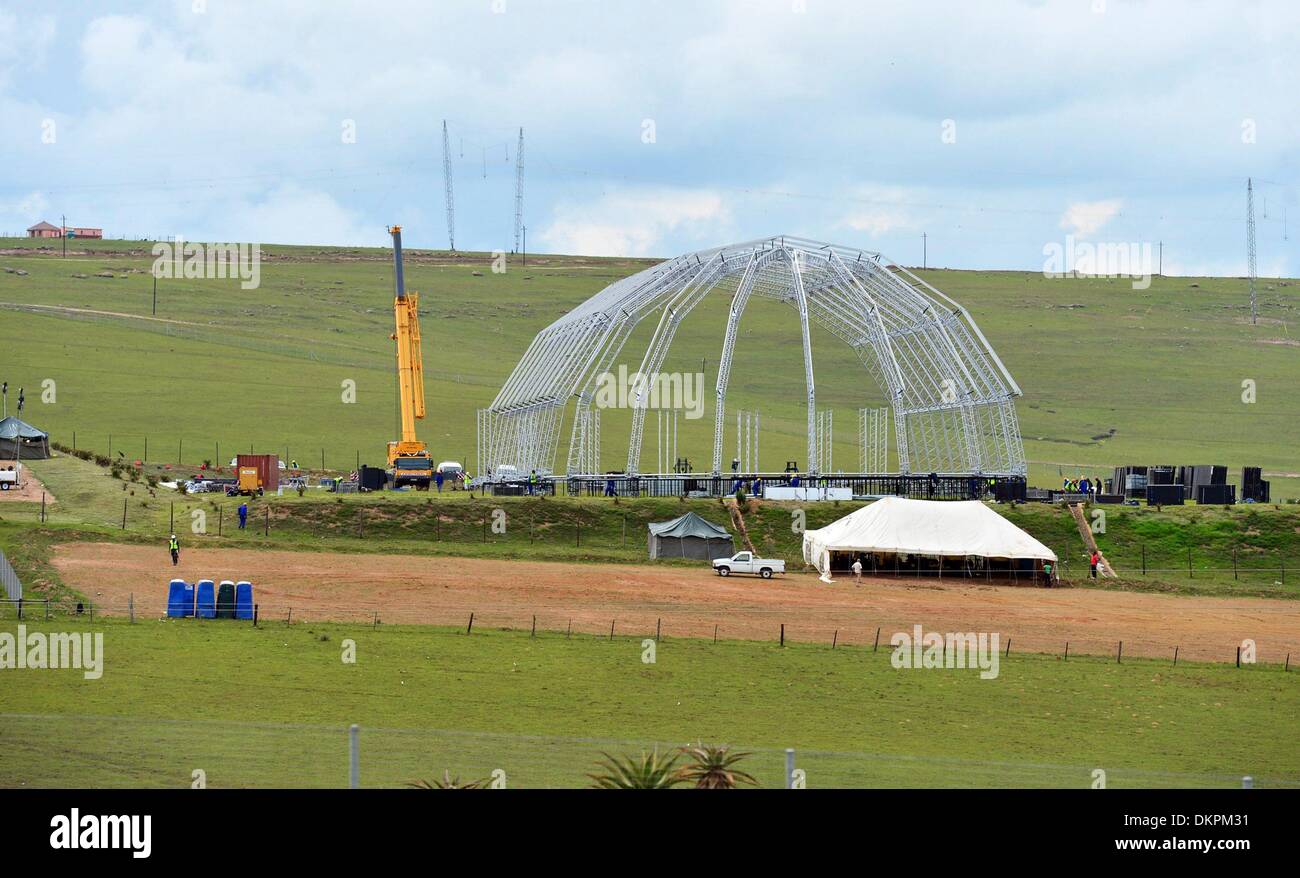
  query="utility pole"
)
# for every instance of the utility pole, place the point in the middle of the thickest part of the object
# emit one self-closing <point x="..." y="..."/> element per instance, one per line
<point x="1250" y="249"/>
<point x="63" y="233"/>
<point x="1160" y="269"/>
<point x="525" y="253"/>
<point x="924" y="254"/>
<point x="519" y="189"/>
<point x="446" y="178"/>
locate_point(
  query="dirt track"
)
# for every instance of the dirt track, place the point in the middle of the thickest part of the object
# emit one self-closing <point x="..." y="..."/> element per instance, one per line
<point x="332" y="586"/>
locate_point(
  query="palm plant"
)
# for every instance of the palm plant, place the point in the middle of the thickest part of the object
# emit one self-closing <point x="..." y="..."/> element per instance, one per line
<point x="448" y="783"/>
<point x="649" y="771"/>
<point x="713" y="767"/>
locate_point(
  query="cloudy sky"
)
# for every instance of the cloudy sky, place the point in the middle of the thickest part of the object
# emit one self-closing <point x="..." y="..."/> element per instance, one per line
<point x="654" y="128"/>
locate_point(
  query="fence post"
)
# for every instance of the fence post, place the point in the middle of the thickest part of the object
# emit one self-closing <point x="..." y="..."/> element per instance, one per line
<point x="42" y="507"/>
<point x="877" y="643"/>
<point x="470" y="627"/>
<point x="1189" y="562"/>
<point x="1248" y="783"/>
<point x="20" y="609"/>
<point x="1119" y="654"/>
<point x="123" y="513"/>
<point x="171" y="518"/>
<point x="533" y="632"/>
<point x="47" y="618"/>
<point x="1144" y="559"/>
<point x="267" y="530"/>
<point x="354" y="757"/>
<point x="1175" y="656"/>
<point x="789" y="768"/>
<point x="1234" y="562"/>
<point x="221" y="511"/>
<point x="658" y="628"/>
<point x="130" y="606"/>
<point x="783" y="634"/>
<point x="255" y="609"/>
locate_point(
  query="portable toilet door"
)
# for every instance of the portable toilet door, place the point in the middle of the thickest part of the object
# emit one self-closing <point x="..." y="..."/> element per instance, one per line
<point x="244" y="600"/>
<point x="207" y="599"/>
<point x="180" y="599"/>
<point x="226" y="600"/>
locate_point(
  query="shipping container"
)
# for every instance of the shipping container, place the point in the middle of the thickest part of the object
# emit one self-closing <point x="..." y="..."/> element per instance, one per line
<point x="268" y="468"/>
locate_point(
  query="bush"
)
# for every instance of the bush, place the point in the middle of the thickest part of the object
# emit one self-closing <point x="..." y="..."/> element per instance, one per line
<point x="101" y="459"/>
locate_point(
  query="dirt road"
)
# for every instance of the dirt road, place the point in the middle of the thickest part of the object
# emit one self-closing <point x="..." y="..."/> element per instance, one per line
<point x="690" y="603"/>
<point x="31" y="489"/>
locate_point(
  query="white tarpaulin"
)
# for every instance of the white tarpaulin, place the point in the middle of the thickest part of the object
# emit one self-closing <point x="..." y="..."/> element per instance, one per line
<point x="900" y="526"/>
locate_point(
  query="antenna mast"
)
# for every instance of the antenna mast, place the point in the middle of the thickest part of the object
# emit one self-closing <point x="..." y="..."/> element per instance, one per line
<point x="519" y="189"/>
<point x="446" y="176"/>
<point x="1250" y="248"/>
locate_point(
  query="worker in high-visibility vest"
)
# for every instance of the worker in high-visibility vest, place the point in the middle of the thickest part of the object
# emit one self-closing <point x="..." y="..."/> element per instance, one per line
<point x="174" y="546"/>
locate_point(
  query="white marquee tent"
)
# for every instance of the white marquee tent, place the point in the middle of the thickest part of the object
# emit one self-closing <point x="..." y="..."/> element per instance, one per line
<point x="927" y="528"/>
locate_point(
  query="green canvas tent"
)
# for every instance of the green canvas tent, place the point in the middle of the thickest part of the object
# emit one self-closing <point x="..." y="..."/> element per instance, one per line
<point x="13" y="432"/>
<point x="689" y="536"/>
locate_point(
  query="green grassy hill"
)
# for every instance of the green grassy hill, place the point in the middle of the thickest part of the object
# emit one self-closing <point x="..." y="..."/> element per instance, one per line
<point x="1111" y="375"/>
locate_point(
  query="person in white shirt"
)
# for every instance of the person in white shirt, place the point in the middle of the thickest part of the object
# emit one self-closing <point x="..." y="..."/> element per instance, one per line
<point x="857" y="571"/>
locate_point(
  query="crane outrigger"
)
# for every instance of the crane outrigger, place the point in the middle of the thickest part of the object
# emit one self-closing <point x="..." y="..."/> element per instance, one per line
<point x="408" y="458"/>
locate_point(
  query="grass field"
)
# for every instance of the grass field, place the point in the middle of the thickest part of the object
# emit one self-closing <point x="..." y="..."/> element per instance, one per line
<point x="1111" y="375"/>
<point x="269" y="706"/>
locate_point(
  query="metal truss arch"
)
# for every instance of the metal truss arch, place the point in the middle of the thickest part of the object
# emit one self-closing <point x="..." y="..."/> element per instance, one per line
<point x="951" y="397"/>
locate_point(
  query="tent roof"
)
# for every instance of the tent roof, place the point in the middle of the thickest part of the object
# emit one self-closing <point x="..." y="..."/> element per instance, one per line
<point x="689" y="525"/>
<point x="11" y="428"/>
<point x="924" y="527"/>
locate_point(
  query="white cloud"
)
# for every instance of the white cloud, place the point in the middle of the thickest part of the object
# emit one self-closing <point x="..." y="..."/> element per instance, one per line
<point x="18" y="213"/>
<point x="635" y="222"/>
<point x="1083" y="218"/>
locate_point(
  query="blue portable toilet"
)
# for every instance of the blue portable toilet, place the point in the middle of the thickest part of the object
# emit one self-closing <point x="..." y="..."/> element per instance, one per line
<point x="207" y="599"/>
<point x="180" y="599"/>
<point x="243" y="600"/>
<point x="226" y="600"/>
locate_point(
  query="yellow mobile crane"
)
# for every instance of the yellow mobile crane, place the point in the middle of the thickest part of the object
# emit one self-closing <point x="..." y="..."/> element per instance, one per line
<point x="408" y="459"/>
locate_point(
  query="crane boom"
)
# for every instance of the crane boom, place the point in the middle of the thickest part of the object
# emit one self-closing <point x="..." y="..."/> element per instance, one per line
<point x="408" y="457"/>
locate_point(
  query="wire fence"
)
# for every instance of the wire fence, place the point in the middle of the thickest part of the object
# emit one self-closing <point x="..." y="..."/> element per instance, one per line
<point x="842" y="627"/>
<point x="64" y="751"/>
<point x="12" y="587"/>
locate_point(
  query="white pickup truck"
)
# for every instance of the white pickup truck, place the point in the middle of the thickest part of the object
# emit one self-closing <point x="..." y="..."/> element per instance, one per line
<point x="745" y="562"/>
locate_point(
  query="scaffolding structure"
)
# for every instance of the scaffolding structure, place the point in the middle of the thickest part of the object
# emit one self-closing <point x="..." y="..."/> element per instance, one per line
<point x="952" y="399"/>
<point x="873" y="440"/>
<point x="826" y="441"/>
<point x="747" y="427"/>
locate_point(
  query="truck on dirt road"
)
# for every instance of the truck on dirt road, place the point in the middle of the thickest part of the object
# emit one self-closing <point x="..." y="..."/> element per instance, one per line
<point x="748" y="562"/>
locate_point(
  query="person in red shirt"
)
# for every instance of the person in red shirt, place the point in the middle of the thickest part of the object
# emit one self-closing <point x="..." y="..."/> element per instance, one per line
<point x="1094" y="561"/>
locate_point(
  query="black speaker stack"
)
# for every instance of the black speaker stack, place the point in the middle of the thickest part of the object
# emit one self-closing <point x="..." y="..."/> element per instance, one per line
<point x="1164" y="495"/>
<point x="1217" y="495"/>
<point x="1252" y="486"/>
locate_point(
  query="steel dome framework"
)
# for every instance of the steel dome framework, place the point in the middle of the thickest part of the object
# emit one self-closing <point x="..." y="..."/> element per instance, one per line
<point x="951" y="396"/>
